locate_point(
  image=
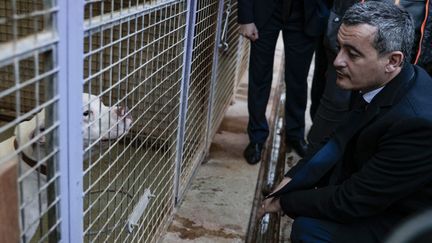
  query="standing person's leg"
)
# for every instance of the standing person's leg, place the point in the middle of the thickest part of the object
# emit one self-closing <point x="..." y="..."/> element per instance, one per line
<point x="319" y="77"/>
<point x="333" y="108"/>
<point x="260" y="78"/>
<point x="299" y="49"/>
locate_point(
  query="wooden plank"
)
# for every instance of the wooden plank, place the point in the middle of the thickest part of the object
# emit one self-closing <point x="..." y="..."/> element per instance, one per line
<point x="9" y="222"/>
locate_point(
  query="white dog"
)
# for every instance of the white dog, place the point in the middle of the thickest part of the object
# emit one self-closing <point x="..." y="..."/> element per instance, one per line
<point x="99" y="122"/>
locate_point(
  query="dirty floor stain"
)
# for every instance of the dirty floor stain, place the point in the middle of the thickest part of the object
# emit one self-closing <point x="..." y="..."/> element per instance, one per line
<point x="187" y="229"/>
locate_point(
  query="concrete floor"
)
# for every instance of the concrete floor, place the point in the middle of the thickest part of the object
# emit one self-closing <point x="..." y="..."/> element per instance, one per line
<point x="217" y="206"/>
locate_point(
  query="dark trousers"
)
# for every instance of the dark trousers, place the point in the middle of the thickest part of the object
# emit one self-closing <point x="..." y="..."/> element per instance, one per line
<point x="298" y="49"/>
<point x="319" y="79"/>
<point x="311" y="230"/>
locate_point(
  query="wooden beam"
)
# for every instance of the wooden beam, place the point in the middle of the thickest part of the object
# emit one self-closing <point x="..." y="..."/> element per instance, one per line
<point x="9" y="223"/>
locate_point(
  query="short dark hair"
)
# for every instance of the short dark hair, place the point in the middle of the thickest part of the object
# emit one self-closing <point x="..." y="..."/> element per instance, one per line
<point x="395" y="27"/>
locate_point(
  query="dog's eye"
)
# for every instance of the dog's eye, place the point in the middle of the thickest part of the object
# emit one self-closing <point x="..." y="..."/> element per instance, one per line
<point x="42" y="129"/>
<point x="86" y="113"/>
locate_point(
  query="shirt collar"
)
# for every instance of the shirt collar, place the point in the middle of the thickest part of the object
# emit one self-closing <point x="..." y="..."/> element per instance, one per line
<point x="371" y="94"/>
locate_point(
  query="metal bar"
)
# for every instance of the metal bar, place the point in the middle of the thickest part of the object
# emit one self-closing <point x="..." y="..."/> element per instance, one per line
<point x="271" y="169"/>
<point x="35" y="13"/>
<point x="70" y="27"/>
<point x="26" y="46"/>
<point x="222" y="41"/>
<point x="114" y="17"/>
<point x="239" y="55"/>
<point x="214" y="75"/>
<point x="184" y="93"/>
<point x="268" y="228"/>
<point x="50" y="115"/>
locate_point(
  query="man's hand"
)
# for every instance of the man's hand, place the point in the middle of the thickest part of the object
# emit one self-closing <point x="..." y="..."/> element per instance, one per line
<point x="270" y="205"/>
<point x="249" y="31"/>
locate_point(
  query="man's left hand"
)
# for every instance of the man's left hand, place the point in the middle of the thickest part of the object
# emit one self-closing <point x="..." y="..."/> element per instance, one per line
<point x="269" y="205"/>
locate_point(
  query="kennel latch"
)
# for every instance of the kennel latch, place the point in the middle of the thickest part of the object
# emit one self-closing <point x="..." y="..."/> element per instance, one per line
<point x="138" y="210"/>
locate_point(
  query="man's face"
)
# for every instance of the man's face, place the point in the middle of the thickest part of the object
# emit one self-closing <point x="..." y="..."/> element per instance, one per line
<point x="358" y="65"/>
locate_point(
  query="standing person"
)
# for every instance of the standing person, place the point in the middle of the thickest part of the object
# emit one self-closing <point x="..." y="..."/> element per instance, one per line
<point x="376" y="170"/>
<point x="301" y="22"/>
<point x="334" y="103"/>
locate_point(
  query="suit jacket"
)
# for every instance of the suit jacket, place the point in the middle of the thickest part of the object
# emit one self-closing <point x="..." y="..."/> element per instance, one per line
<point x="260" y="11"/>
<point x="384" y="171"/>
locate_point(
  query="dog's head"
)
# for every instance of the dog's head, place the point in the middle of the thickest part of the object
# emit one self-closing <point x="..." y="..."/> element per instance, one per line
<point x="32" y="130"/>
<point x="98" y="122"/>
<point x="102" y="122"/>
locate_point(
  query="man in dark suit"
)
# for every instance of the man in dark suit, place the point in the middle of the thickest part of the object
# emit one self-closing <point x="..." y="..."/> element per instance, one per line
<point x="301" y="22"/>
<point x="333" y="105"/>
<point x="376" y="170"/>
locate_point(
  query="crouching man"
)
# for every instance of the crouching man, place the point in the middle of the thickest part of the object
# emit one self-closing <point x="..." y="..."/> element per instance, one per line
<point x="376" y="169"/>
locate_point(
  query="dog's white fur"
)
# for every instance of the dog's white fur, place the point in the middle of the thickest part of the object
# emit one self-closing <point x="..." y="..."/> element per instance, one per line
<point x="102" y="122"/>
<point x="99" y="122"/>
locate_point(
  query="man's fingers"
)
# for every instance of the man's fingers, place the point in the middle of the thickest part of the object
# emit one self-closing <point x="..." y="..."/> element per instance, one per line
<point x="261" y="212"/>
<point x="249" y="31"/>
<point x="263" y="208"/>
<point x="250" y="36"/>
<point x="255" y="35"/>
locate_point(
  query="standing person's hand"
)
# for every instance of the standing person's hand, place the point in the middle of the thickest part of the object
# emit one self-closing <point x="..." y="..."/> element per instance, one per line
<point x="249" y="31"/>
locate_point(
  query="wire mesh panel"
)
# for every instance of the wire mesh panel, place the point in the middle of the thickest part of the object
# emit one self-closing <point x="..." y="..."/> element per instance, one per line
<point x="243" y="62"/>
<point x="199" y="87"/>
<point x="227" y="65"/>
<point x="22" y="18"/>
<point x="28" y="120"/>
<point x="133" y="58"/>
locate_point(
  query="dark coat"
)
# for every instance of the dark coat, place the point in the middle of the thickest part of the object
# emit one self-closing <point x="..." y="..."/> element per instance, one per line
<point x="259" y="12"/>
<point x="385" y="171"/>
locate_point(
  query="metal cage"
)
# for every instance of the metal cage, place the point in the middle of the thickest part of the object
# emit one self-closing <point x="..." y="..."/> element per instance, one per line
<point x="29" y="121"/>
<point x="121" y="98"/>
<point x="132" y="58"/>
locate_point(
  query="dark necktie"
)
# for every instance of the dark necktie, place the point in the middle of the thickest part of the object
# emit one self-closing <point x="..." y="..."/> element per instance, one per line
<point x="360" y="104"/>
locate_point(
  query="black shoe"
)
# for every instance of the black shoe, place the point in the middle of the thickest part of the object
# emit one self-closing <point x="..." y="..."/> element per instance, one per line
<point x="299" y="146"/>
<point x="252" y="153"/>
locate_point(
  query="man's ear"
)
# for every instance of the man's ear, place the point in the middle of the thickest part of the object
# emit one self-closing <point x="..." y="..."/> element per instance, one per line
<point x="395" y="60"/>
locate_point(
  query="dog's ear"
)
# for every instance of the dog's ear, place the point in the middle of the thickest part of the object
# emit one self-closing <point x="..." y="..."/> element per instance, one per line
<point x="27" y="130"/>
<point x="37" y="132"/>
<point x="119" y="111"/>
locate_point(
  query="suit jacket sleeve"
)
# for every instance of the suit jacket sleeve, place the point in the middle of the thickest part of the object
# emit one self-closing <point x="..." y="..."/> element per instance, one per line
<point x="245" y="11"/>
<point x="401" y="165"/>
<point x="311" y="151"/>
